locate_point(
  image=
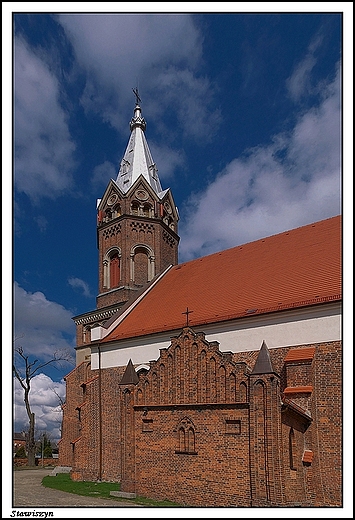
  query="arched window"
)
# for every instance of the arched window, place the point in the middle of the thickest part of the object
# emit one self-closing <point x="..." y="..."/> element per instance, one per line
<point x="116" y="211"/>
<point x="111" y="264"/>
<point x="134" y="208"/>
<point x="147" y="210"/>
<point x="182" y="440"/>
<point x="191" y="440"/>
<point x="186" y="441"/>
<point x="142" y="264"/>
<point x="114" y="270"/>
<point x="87" y="334"/>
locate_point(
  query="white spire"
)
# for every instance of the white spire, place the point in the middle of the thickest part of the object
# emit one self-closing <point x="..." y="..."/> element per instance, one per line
<point x="137" y="159"/>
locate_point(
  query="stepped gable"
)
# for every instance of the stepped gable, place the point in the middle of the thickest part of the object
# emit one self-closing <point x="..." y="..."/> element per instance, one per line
<point x="182" y="374"/>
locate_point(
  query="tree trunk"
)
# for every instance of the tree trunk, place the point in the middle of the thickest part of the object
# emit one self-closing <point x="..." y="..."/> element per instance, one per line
<point x="31" y="442"/>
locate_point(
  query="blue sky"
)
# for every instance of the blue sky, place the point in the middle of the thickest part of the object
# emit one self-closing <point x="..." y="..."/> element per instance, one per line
<point x="243" y="114"/>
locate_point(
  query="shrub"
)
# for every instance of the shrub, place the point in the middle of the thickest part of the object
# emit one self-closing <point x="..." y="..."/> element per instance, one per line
<point x="21" y="453"/>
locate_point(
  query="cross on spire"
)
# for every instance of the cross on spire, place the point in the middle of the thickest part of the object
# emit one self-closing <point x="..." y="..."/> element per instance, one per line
<point x="187" y="312"/>
<point x="138" y="99"/>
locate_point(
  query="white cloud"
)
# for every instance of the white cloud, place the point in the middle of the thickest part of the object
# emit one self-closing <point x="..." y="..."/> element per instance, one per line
<point x="43" y="327"/>
<point x="162" y="53"/>
<point x="43" y="147"/>
<point x="45" y="404"/>
<point x="77" y="283"/>
<point x="101" y="173"/>
<point x="291" y="182"/>
<point x="167" y="159"/>
<point x="300" y="82"/>
<point x="41" y="222"/>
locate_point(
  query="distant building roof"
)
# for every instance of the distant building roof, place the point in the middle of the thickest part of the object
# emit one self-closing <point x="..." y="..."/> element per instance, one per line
<point x="294" y="269"/>
<point x="19" y="436"/>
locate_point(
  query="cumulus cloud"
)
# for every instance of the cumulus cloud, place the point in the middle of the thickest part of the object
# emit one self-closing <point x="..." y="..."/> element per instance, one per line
<point x="293" y="181"/>
<point x="167" y="160"/>
<point x="77" y="283"/>
<point x="164" y="56"/>
<point x="101" y="173"/>
<point x="43" y="146"/>
<point x="300" y="82"/>
<point x="46" y="397"/>
<point x="43" y="326"/>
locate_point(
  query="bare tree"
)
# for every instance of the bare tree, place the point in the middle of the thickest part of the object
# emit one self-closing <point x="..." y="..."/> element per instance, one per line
<point x="61" y="402"/>
<point x="24" y="376"/>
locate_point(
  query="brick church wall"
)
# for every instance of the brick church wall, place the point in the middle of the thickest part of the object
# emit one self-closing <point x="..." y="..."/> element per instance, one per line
<point x="211" y="475"/>
<point x="211" y="399"/>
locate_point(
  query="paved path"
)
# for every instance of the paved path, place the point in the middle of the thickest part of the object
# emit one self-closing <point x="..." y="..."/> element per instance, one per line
<point x="28" y="492"/>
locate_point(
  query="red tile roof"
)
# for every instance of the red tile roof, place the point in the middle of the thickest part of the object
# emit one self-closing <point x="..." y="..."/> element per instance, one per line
<point x="298" y="390"/>
<point x="300" y="354"/>
<point x="293" y="269"/>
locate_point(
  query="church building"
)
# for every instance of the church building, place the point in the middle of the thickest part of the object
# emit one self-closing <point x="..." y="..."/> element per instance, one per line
<point x="215" y="382"/>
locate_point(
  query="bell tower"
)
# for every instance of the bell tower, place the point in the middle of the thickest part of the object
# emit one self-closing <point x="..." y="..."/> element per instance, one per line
<point x="136" y="223"/>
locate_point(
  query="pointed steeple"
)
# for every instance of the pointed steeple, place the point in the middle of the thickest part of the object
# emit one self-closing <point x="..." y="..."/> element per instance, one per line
<point x="130" y="377"/>
<point x="137" y="159"/>
<point x="263" y="363"/>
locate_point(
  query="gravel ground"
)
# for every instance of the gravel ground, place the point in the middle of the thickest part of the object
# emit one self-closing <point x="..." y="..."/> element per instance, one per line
<point x="28" y="492"/>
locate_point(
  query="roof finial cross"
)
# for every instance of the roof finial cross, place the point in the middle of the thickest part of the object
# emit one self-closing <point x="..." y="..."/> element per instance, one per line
<point x="138" y="99"/>
<point x="187" y="312"/>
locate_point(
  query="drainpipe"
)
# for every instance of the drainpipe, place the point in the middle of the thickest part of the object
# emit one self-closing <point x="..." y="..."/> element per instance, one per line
<point x="250" y="445"/>
<point x="100" y="418"/>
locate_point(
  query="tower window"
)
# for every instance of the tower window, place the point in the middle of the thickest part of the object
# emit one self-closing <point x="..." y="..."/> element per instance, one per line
<point x="111" y="264"/>
<point x="135" y="208"/>
<point x="114" y="271"/>
<point x="116" y="211"/>
<point x="147" y="210"/>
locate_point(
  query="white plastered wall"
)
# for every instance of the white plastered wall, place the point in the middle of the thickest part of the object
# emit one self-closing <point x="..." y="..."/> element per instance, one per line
<point x="288" y="328"/>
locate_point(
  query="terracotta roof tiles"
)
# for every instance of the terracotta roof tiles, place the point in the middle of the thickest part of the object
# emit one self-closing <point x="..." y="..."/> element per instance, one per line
<point x="298" y="390"/>
<point x="293" y="269"/>
<point x="300" y="354"/>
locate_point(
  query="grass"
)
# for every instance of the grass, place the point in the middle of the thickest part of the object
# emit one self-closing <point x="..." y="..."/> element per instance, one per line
<point x="63" y="482"/>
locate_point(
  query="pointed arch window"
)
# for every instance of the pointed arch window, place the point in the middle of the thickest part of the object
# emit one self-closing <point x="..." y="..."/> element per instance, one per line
<point x="182" y="440"/>
<point x="186" y="437"/>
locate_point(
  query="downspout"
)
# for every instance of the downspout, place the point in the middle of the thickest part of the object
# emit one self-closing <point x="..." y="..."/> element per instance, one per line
<point x="100" y="418"/>
<point x="250" y="455"/>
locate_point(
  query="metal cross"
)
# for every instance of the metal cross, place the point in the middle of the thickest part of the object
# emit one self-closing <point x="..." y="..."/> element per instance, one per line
<point x="187" y="312"/>
<point x="138" y="99"/>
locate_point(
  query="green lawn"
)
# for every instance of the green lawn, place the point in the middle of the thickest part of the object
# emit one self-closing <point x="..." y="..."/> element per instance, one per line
<point x="63" y="482"/>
